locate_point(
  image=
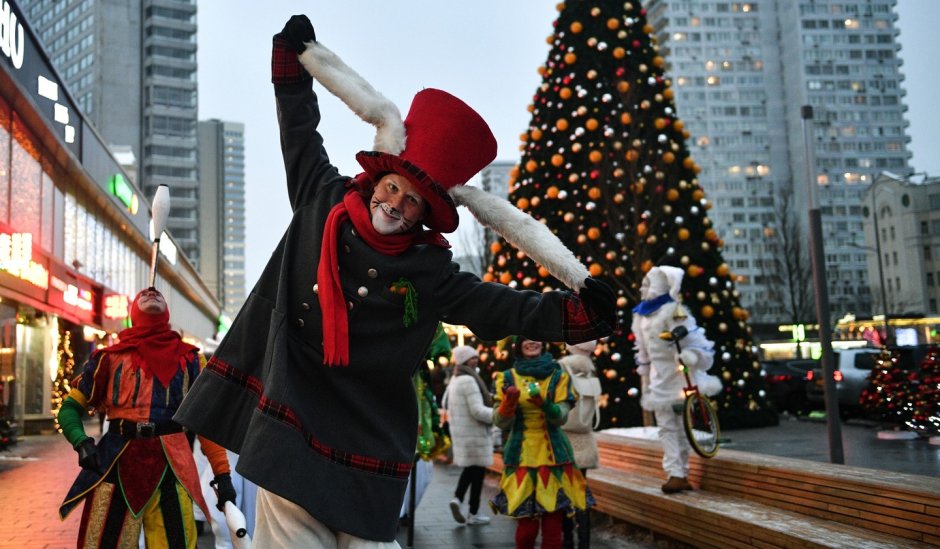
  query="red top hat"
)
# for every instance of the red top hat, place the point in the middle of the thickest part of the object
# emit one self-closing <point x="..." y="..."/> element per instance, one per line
<point x="447" y="143"/>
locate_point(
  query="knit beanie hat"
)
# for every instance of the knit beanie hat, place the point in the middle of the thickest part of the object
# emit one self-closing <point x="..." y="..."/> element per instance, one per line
<point x="463" y="353"/>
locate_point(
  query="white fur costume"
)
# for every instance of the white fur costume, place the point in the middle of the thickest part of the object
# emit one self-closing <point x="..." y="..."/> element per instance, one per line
<point x="656" y="358"/>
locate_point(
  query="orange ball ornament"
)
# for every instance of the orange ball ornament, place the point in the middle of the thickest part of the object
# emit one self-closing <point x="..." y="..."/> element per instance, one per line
<point x="669" y="157"/>
<point x="694" y="271"/>
<point x="576" y="27"/>
<point x="698" y="194"/>
<point x="623" y="87"/>
<point x="570" y="58"/>
<point x="613" y="23"/>
<point x="688" y="163"/>
<point x="594" y="233"/>
<point x="522" y="203"/>
<point x="495" y="248"/>
<point x="646" y="266"/>
<point x="708" y="311"/>
<point x="561" y="124"/>
<point x="660" y="123"/>
<point x="641" y="229"/>
<point x="591" y="124"/>
<point x="672" y="195"/>
<point x="557" y="160"/>
<point x="594" y="193"/>
<point x="531" y="166"/>
<point x="505" y="278"/>
<point x="488" y="277"/>
<point x="619" y="53"/>
<point x="552" y="192"/>
<point x="659" y="62"/>
<point x="723" y="270"/>
<point x="543" y="272"/>
<point x="683" y="234"/>
<point x="595" y="157"/>
<point x="595" y="269"/>
<point x="565" y="93"/>
<point x="625" y="118"/>
<point x="536" y="134"/>
<point x="631" y="155"/>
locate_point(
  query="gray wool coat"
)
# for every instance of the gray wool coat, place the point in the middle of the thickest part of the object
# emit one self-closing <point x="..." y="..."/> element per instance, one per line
<point x="470" y="422"/>
<point x="340" y="441"/>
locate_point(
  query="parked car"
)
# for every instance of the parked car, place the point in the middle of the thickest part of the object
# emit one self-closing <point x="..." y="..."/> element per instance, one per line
<point x="853" y="374"/>
<point x="786" y="385"/>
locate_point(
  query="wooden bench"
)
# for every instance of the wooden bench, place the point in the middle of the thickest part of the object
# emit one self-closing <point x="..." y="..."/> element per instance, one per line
<point x="753" y="500"/>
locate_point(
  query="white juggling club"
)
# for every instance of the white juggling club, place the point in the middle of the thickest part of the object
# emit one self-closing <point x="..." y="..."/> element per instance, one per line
<point x="159" y="211"/>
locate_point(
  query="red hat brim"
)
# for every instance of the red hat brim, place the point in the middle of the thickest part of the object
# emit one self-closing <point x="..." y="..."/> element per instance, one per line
<point x="442" y="214"/>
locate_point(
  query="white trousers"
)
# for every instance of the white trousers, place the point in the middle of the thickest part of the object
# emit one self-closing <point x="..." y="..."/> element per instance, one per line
<point x="281" y="523"/>
<point x="675" y="446"/>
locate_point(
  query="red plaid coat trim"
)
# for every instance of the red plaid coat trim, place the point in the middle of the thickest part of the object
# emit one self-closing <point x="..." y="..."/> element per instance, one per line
<point x="579" y="324"/>
<point x="347" y="459"/>
<point x="285" y="67"/>
<point x="242" y="379"/>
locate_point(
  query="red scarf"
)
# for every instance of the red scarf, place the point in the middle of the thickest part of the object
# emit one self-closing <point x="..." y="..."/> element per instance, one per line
<point x="158" y="350"/>
<point x="332" y="301"/>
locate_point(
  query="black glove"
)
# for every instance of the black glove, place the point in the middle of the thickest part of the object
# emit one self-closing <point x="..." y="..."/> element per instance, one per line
<point x="88" y="457"/>
<point x="298" y="30"/>
<point x="223" y="490"/>
<point x="599" y="298"/>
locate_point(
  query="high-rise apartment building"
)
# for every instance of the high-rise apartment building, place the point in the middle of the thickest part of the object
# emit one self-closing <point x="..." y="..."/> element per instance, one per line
<point x="741" y="72"/>
<point x="131" y="64"/>
<point x="222" y="211"/>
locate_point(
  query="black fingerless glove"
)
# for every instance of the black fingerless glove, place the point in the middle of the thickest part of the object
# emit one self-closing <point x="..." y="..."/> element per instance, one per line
<point x="88" y="457"/>
<point x="297" y="32"/>
<point x="224" y="490"/>
<point x="600" y="299"/>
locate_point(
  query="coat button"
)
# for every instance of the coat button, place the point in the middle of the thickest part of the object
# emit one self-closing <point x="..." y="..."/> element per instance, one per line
<point x="300" y="322"/>
<point x="346" y="248"/>
<point x="372" y="273"/>
<point x="305" y="306"/>
<point x="352" y="232"/>
<point x="316" y="288"/>
<point x="350" y="304"/>
<point x="362" y="291"/>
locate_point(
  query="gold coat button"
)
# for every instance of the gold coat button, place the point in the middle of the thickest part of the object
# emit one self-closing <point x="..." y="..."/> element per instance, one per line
<point x="362" y="291"/>
<point x="300" y="322"/>
<point x="350" y="304"/>
<point x="305" y="306"/>
<point x="372" y="273"/>
<point x="316" y="288"/>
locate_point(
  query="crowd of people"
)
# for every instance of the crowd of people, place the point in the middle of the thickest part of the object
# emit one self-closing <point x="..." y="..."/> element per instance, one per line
<point x="311" y="392"/>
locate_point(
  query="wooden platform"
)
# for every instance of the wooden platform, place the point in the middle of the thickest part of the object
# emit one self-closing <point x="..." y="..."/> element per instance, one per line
<point x="753" y="500"/>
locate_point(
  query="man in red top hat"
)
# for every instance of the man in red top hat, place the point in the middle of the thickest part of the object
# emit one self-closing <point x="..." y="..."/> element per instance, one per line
<point x="141" y="475"/>
<point x="312" y="384"/>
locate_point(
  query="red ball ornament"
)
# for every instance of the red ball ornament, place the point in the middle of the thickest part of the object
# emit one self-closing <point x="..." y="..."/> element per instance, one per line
<point x="595" y="174"/>
<point x="635" y="44"/>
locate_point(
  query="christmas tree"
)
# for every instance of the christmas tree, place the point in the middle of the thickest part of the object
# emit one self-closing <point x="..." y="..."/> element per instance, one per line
<point x="889" y="395"/>
<point x="925" y="416"/>
<point x="605" y="165"/>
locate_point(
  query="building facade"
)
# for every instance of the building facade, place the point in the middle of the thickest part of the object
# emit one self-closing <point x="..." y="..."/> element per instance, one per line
<point x="74" y="236"/>
<point x="741" y="72"/>
<point x="902" y="229"/>
<point x="222" y="211"/>
<point x="146" y="100"/>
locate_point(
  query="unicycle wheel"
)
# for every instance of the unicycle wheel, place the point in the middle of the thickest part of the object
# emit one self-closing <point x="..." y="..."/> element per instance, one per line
<point x="700" y="421"/>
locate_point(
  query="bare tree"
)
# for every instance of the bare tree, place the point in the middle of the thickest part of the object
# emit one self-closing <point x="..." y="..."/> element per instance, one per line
<point x="788" y="269"/>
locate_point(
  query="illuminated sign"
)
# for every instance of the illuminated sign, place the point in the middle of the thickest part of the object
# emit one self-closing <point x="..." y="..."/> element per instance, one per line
<point x="115" y="306"/>
<point x="73" y="295"/>
<point x="16" y="258"/>
<point x="120" y="188"/>
<point x="11" y="36"/>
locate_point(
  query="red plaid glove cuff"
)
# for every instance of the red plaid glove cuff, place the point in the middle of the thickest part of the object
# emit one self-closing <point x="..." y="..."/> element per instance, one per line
<point x="285" y="66"/>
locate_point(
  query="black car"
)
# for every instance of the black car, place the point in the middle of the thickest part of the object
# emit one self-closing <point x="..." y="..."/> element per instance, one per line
<point x="786" y="385"/>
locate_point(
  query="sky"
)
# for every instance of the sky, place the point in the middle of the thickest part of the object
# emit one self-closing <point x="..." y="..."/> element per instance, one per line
<point x="486" y="52"/>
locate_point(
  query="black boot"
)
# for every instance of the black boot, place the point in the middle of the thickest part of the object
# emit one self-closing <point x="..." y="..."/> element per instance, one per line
<point x="584" y="529"/>
<point x="567" y="532"/>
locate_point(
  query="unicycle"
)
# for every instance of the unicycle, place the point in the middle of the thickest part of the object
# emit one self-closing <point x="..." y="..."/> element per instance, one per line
<point x="699" y="418"/>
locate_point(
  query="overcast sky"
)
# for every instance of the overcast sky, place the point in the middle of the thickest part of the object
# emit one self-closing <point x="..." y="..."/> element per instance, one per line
<point x="486" y="52"/>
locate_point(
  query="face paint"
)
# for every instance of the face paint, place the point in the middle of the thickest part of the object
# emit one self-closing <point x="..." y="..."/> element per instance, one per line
<point x="395" y="205"/>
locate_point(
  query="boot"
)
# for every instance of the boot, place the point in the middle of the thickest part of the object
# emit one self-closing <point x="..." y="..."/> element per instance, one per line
<point x="676" y="484"/>
<point x="584" y="529"/>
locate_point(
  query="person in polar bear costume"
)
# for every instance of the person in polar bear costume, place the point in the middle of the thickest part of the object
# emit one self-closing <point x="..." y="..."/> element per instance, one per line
<point x="661" y="311"/>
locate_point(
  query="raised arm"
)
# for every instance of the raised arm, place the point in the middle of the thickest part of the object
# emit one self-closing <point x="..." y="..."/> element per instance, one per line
<point x="306" y="163"/>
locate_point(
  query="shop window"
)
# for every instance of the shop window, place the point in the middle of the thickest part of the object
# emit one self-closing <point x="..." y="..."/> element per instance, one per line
<point x="25" y="187"/>
<point x="4" y="161"/>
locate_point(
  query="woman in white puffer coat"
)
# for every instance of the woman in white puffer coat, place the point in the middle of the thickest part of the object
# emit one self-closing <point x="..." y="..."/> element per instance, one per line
<point x="470" y="414"/>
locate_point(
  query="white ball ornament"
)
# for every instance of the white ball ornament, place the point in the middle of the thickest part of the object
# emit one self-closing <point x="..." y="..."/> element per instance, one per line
<point x="662" y="138"/>
<point x="590" y="206"/>
<point x="632" y="392"/>
<point x="693" y="210"/>
<point x="601" y="46"/>
<point x="670" y="251"/>
<point x="680" y="220"/>
<point x="740" y="383"/>
<point x="726" y="356"/>
<point x="651" y="80"/>
<point x="762" y="393"/>
<point x="606" y="98"/>
<point x="562" y="195"/>
<point x="712" y="281"/>
<point x="615" y="357"/>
